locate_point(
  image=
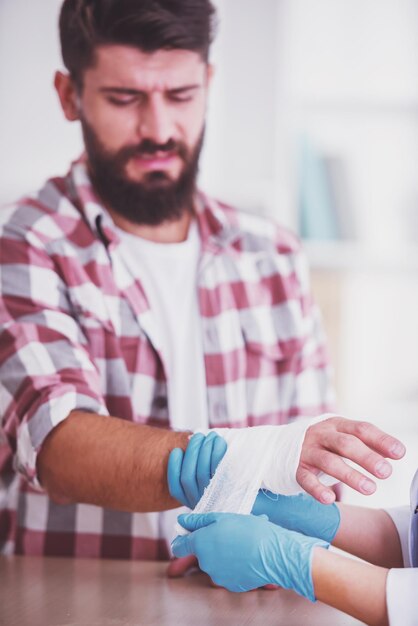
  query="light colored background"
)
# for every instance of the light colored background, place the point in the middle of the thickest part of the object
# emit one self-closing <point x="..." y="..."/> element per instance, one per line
<point x="346" y="73"/>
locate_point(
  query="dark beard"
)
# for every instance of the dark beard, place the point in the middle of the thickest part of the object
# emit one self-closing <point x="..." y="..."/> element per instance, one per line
<point x="155" y="200"/>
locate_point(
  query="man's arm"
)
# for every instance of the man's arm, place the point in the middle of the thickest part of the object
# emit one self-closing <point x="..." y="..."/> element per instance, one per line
<point x="108" y="462"/>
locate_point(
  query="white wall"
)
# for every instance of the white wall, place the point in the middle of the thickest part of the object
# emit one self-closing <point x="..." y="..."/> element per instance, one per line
<point x="36" y="142"/>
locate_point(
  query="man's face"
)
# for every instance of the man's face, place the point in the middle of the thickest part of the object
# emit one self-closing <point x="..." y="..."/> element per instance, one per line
<point x="143" y="120"/>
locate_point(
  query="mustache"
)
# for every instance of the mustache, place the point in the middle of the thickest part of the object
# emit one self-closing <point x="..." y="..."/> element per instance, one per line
<point x="147" y="147"/>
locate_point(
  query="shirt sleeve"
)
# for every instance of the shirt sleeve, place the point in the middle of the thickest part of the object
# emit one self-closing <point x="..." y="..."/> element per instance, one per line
<point x="45" y="368"/>
<point x="401" y="517"/>
<point x="401" y="597"/>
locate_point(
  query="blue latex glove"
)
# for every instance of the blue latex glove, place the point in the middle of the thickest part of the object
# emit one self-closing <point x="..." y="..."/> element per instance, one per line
<point x="301" y="513"/>
<point x="243" y="552"/>
<point x="189" y="472"/>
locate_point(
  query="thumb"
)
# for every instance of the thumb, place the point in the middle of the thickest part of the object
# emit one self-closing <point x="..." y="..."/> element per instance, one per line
<point x="183" y="546"/>
<point x="194" y="521"/>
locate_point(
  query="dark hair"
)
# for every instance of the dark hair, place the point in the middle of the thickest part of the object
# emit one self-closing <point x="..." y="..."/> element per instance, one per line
<point x="148" y="25"/>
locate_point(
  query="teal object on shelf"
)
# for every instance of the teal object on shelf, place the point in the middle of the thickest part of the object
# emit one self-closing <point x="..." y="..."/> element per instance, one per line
<point x="316" y="211"/>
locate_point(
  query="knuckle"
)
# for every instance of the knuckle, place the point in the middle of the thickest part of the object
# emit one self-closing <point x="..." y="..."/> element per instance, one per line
<point x="177" y="493"/>
<point x="186" y="484"/>
<point x="384" y="441"/>
<point x="202" y="481"/>
<point x="362" y="429"/>
<point x="307" y="480"/>
<point x="302" y="475"/>
<point x="327" y="462"/>
<point x="344" y="443"/>
<point x="315" y="490"/>
<point x="370" y="459"/>
<point x="351" y="476"/>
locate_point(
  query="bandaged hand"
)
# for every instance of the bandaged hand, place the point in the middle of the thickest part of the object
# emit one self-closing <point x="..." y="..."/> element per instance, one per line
<point x="243" y="552"/>
<point x="310" y="454"/>
<point x="189" y="474"/>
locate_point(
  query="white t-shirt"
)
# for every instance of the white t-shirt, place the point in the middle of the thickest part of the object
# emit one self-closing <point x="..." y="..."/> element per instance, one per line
<point x="168" y="273"/>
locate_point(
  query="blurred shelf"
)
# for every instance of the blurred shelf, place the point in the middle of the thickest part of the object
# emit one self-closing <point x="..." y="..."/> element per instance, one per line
<point x="356" y="256"/>
<point x="353" y="106"/>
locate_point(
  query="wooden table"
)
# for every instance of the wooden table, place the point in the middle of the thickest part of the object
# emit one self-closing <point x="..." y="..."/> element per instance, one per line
<point x="77" y="592"/>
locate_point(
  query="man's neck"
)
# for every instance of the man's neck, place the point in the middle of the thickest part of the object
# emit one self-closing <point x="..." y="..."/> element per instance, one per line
<point x="174" y="231"/>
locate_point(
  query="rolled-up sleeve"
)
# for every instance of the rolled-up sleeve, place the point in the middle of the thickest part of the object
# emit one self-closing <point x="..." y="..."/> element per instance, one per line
<point x="401" y="517"/>
<point x="401" y="597"/>
<point x="45" y="368"/>
<point x="402" y="584"/>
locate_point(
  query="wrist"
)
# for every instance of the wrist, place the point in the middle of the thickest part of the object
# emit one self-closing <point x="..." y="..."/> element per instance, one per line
<point x="297" y="574"/>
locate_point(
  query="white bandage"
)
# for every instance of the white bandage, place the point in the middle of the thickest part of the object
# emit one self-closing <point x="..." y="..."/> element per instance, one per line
<point x="261" y="457"/>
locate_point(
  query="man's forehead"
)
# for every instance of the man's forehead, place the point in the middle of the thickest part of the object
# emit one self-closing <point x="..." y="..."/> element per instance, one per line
<point x="125" y="66"/>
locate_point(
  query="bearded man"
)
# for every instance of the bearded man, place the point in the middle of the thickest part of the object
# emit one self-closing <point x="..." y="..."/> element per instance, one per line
<point x="135" y="310"/>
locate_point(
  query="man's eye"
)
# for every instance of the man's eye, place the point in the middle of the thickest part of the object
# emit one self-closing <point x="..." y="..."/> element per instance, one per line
<point x="181" y="97"/>
<point x="121" y="102"/>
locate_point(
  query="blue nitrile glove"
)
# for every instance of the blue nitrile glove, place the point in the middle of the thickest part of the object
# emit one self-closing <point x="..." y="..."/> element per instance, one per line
<point x="301" y="513"/>
<point x="243" y="552"/>
<point x="189" y="472"/>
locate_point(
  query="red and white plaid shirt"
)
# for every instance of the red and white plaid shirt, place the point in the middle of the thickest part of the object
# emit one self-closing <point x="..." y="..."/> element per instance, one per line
<point x="76" y="332"/>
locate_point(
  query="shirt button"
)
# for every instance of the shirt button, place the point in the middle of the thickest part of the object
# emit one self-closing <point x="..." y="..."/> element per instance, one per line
<point x="160" y="402"/>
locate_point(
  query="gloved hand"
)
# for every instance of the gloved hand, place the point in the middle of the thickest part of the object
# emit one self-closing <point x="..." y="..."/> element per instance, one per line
<point x="189" y="472"/>
<point x="301" y="513"/>
<point x="243" y="552"/>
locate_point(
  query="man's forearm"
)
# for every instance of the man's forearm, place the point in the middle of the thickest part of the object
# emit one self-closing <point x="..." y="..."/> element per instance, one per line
<point x="354" y="587"/>
<point x="108" y="462"/>
<point x="369" y="534"/>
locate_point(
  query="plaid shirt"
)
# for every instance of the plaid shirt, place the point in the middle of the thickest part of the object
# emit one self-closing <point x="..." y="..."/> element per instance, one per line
<point x="76" y="332"/>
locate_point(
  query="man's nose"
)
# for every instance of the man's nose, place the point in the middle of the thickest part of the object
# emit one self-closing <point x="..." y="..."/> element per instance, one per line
<point x="156" y="122"/>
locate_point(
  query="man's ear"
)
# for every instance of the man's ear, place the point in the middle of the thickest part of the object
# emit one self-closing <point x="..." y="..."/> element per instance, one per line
<point x="210" y="73"/>
<point x="68" y="96"/>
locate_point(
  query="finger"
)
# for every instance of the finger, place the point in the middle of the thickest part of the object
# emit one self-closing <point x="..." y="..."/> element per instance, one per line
<point x="204" y="462"/>
<point x="354" y="449"/>
<point x="188" y="477"/>
<point x="179" y="567"/>
<point x="175" y="488"/>
<point x="335" y="466"/>
<point x="312" y="485"/>
<point x="381" y="442"/>
<point x="194" y="521"/>
<point x="219" y="449"/>
<point x="183" y="546"/>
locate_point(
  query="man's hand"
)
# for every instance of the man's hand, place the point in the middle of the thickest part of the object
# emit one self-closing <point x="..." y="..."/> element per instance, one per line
<point x="323" y="446"/>
<point x="361" y="442"/>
